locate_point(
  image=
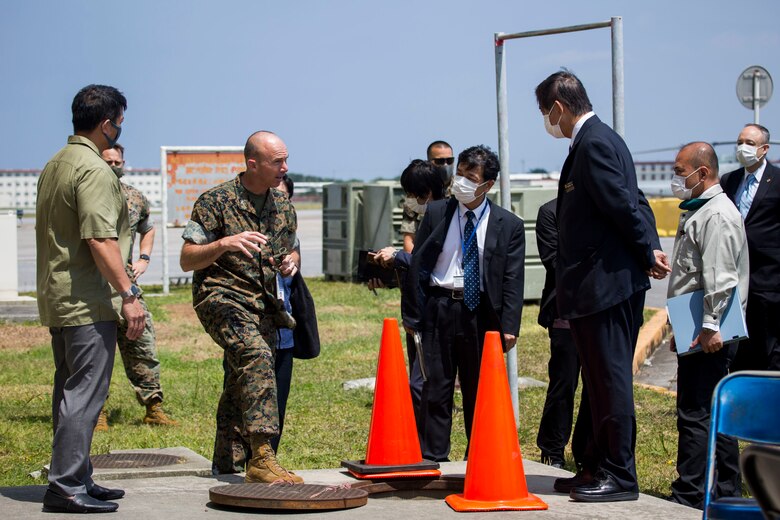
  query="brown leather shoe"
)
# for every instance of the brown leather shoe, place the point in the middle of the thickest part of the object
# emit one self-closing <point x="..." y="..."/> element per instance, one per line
<point x="155" y="415"/>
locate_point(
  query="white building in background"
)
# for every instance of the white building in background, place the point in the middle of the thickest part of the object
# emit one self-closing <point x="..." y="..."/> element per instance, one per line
<point x="18" y="188"/>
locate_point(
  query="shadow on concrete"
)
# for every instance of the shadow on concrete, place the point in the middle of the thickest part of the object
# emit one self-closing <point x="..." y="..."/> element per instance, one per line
<point x="32" y="494"/>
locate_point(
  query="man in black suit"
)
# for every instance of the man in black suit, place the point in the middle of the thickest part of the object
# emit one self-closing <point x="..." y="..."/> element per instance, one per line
<point x="563" y="368"/>
<point x="605" y="254"/>
<point x="755" y="190"/>
<point x="466" y="278"/>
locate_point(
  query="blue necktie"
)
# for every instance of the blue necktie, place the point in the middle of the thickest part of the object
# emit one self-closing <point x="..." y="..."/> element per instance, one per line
<point x="747" y="196"/>
<point x="470" y="265"/>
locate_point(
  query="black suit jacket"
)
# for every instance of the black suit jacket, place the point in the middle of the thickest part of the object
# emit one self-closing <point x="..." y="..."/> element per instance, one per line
<point x="547" y="243"/>
<point x="502" y="271"/>
<point x="762" y="227"/>
<point x="604" y="243"/>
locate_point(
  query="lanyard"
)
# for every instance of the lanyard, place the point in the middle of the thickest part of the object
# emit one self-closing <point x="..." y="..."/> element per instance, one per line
<point x="464" y="245"/>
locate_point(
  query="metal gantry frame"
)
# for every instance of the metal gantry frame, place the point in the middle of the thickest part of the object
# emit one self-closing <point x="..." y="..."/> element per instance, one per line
<point x="618" y="120"/>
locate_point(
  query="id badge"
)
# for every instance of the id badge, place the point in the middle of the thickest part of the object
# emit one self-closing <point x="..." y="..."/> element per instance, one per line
<point x="457" y="281"/>
<point x="279" y="288"/>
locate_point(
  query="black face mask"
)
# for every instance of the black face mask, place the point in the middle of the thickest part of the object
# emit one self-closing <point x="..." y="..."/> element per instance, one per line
<point x="112" y="142"/>
<point x="118" y="171"/>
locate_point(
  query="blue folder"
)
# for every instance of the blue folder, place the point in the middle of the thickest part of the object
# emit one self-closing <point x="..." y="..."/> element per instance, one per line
<point x="685" y="315"/>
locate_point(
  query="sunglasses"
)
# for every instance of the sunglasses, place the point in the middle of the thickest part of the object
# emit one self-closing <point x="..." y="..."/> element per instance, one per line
<point x="441" y="161"/>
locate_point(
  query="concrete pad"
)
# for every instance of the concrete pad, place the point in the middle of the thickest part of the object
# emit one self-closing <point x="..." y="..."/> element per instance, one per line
<point x="191" y="464"/>
<point x="175" y="498"/>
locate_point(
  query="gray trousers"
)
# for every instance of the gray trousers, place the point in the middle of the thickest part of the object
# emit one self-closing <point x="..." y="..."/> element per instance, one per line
<point x="83" y="361"/>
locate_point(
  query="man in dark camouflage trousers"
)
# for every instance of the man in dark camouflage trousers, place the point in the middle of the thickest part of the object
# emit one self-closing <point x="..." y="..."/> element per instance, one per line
<point x="139" y="356"/>
<point x="238" y="241"/>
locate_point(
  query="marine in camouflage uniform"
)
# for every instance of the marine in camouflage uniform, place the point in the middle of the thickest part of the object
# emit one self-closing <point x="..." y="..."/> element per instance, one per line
<point x="235" y="300"/>
<point x="139" y="356"/>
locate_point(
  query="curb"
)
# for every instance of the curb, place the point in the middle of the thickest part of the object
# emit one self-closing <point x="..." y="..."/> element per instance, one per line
<point x="651" y="335"/>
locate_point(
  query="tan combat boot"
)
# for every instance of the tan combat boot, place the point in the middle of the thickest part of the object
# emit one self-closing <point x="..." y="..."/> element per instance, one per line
<point x="156" y="416"/>
<point x="263" y="466"/>
<point x="102" y="423"/>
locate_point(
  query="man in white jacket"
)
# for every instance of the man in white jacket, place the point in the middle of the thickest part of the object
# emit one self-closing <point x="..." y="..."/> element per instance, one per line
<point x="710" y="253"/>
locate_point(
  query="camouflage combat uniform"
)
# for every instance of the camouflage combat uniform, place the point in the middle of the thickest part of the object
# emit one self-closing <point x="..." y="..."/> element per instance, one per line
<point x="410" y="220"/>
<point x="139" y="356"/>
<point x="235" y="300"/>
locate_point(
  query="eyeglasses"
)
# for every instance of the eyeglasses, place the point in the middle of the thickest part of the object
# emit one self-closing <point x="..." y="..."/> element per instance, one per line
<point x="441" y="161"/>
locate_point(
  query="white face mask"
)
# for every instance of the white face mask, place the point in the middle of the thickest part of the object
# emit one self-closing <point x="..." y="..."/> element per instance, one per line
<point x="465" y="190"/>
<point x="413" y="205"/>
<point x="553" y="129"/>
<point x="747" y="155"/>
<point x="678" y="186"/>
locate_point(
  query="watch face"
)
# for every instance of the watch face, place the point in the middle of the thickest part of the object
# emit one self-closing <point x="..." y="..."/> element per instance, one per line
<point x="135" y="290"/>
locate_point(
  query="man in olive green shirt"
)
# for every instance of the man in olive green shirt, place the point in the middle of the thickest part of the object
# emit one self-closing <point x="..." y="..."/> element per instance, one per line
<point x="82" y="239"/>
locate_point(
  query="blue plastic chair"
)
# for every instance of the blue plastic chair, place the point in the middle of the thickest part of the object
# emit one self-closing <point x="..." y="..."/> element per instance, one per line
<point x="745" y="405"/>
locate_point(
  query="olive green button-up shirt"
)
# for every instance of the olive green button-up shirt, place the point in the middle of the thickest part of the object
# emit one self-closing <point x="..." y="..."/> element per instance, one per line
<point x="79" y="198"/>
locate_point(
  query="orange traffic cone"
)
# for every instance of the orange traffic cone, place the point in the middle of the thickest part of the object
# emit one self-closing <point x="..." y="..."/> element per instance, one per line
<point x="393" y="445"/>
<point x="495" y="480"/>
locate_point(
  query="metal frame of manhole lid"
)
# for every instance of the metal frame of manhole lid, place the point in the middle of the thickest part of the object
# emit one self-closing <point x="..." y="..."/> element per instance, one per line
<point x="134" y="460"/>
<point x="288" y="496"/>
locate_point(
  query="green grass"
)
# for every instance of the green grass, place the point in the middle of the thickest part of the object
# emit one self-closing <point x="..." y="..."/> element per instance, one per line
<point x="324" y="423"/>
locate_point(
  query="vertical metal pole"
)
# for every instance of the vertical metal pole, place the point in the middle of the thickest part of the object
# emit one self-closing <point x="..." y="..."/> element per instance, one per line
<point x="164" y="224"/>
<point x="618" y="97"/>
<point x="756" y="92"/>
<point x="506" y="195"/>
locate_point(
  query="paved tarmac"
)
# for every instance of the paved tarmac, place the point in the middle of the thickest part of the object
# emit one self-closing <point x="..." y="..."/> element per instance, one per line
<point x="179" y="498"/>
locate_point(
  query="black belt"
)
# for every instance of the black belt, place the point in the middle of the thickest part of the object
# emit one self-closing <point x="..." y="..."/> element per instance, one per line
<point x="454" y="294"/>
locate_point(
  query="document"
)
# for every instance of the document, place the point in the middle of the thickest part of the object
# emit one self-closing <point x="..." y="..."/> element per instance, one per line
<point x="685" y="314"/>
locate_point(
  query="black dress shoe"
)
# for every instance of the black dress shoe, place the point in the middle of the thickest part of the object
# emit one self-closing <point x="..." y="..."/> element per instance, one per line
<point x="565" y="485"/>
<point x="603" y="488"/>
<point x="78" y="503"/>
<point x="102" y="493"/>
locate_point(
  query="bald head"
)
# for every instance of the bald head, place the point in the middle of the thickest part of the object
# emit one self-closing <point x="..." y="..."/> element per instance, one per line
<point x="258" y="143"/>
<point x="266" y="161"/>
<point x="698" y="164"/>
<point x="702" y="154"/>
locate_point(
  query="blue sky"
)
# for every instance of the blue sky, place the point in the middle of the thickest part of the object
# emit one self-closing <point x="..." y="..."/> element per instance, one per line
<point x="359" y="88"/>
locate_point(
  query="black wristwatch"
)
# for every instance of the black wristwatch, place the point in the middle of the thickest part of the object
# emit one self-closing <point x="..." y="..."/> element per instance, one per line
<point x="132" y="292"/>
<point x="144" y="257"/>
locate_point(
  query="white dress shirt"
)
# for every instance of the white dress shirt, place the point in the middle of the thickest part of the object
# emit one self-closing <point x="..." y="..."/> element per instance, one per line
<point x="578" y="126"/>
<point x="450" y="261"/>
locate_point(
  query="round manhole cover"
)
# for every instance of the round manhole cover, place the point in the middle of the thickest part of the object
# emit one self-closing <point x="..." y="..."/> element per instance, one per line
<point x="299" y="496"/>
<point x="133" y="460"/>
